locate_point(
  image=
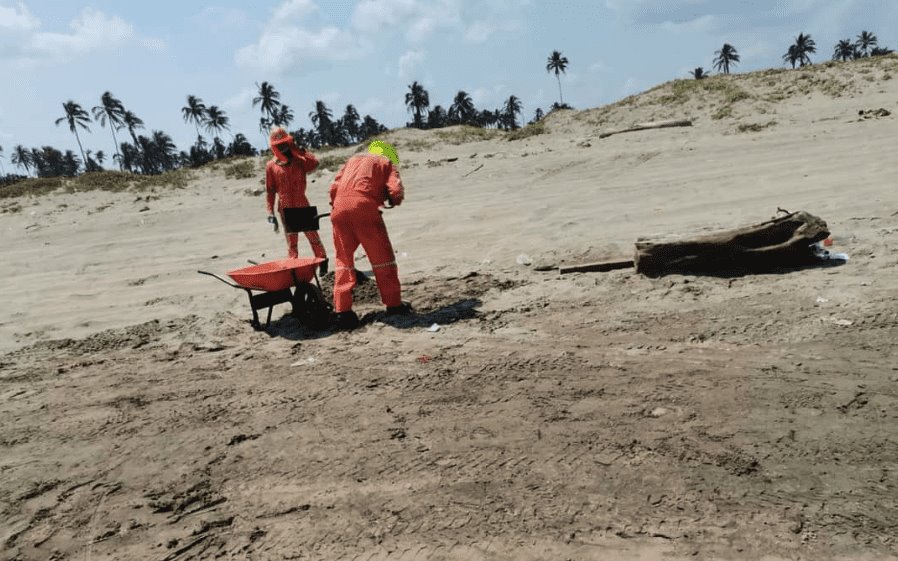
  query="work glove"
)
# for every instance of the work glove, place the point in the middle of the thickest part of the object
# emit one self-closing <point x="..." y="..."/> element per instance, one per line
<point x="274" y="221"/>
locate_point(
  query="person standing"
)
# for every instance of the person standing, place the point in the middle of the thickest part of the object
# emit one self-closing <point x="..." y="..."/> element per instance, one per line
<point x="365" y="183"/>
<point x="285" y="177"/>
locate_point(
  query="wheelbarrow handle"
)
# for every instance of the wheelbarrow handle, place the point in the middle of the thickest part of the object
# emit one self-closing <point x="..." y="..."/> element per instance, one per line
<point x="219" y="278"/>
<point x="319" y="216"/>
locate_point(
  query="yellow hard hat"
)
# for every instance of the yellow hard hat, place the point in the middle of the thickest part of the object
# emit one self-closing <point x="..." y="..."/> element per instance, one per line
<point x="384" y="149"/>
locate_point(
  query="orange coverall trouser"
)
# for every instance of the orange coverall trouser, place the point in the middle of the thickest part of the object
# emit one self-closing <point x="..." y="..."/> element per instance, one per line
<point x="355" y="222"/>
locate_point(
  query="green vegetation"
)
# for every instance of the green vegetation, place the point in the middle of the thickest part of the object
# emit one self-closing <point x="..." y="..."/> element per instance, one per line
<point x="465" y="134"/>
<point x="682" y="91"/>
<point x="240" y="170"/>
<point x="532" y="129"/>
<point x="113" y="181"/>
<point x="332" y="163"/>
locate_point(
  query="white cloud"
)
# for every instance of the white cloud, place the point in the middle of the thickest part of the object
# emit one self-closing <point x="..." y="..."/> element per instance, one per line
<point x="419" y="18"/>
<point x="289" y="41"/>
<point x="17" y="19"/>
<point x="371" y="24"/>
<point x="408" y="62"/>
<point x="295" y="9"/>
<point x="475" y="20"/>
<point x="276" y="50"/>
<point x="23" y="43"/>
<point x="91" y="31"/>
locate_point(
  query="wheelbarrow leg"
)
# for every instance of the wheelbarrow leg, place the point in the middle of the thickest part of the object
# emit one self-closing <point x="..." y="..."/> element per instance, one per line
<point x="255" y="321"/>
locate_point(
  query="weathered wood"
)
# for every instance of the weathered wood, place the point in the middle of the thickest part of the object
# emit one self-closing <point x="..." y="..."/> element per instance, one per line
<point x="599" y="267"/>
<point x="648" y="126"/>
<point x="781" y="243"/>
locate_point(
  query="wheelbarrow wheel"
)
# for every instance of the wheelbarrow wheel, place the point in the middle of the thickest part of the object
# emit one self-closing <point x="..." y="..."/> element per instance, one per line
<point x="311" y="308"/>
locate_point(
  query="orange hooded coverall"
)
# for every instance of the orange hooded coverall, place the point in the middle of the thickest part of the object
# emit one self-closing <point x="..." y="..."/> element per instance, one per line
<point x="288" y="182"/>
<point x="359" y="189"/>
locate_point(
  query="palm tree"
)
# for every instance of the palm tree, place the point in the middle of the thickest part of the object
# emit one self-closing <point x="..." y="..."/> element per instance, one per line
<point x="799" y="51"/>
<point x="350" y="123"/>
<point x="792" y="57"/>
<point x="90" y="164"/>
<point x="76" y="117"/>
<point x="2" y="171"/>
<point x="70" y="164"/>
<point x="322" y="119"/>
<point x="500" y="119"/>
<point x="240" y="146"/>
<point x="370" y="127"/>
<point x="195" y="111"/>
<point x="265" y="125"/>
<point x="844" y="50"/>
<point x="727" y="56"/>
<point x="699" y="73"/>
<point x="439" y="118"/>
<point x="558" y="64"/>
<point x="417" y="100"/>
<point x="865" y="42"/>
<point x="268" y="99"/>
<point x="164" y="149"/>
<point x="129" y="157"/>
<point x="283" y="116"/>
<point x="462" y="110"/>
<point x="881" y="51"/>
<point x="511" y="109"/>
<point x="216" y="120"/>
<point x="112" y="111"/>
<point x="21" y="157"/>
<point x="132" y="122"/>
<point x="537" y="115"/>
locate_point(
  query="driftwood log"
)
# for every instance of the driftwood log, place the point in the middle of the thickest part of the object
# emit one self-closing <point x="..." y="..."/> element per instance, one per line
<point x="782" y="243"/>
<point x="647" y="126"/>
<point x="599" y="267"/>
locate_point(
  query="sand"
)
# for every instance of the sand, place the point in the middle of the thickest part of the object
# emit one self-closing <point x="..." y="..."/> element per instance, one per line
<point x="583" y="416"/>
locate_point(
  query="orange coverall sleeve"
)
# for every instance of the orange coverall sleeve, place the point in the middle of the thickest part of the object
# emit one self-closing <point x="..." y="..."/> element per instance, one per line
<point x="337" y="179"/>
<point x="394" y="186"/>
<point x="270" y="190"/>
<point x="309" y="162"/>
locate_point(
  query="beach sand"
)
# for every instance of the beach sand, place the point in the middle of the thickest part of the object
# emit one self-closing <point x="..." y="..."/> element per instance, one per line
<point x="582" y="416"/>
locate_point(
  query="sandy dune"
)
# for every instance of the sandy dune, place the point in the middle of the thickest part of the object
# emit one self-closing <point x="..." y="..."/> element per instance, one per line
<point x="585" y="416"/>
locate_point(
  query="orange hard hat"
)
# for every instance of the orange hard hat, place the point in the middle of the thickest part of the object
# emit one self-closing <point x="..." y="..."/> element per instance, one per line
<point x="279" y="136"/>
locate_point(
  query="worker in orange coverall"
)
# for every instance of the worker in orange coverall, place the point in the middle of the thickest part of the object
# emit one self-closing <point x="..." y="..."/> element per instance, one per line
<point x="364" y="184"/>
<point x="285" y="176"/>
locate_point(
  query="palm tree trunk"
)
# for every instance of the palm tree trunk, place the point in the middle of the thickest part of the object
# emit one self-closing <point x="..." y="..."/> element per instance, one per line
<point x="115" y="143"/>
<point x="83" y="158"/>
<point x="561" y="97"/>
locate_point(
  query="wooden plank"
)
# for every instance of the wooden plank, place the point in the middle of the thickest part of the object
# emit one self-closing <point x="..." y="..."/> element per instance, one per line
<point x="599" y="267"/>
<point x="648" y="126"/>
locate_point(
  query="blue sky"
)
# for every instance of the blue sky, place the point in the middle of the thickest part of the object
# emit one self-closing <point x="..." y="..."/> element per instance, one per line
<point x="151" y="55"/>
